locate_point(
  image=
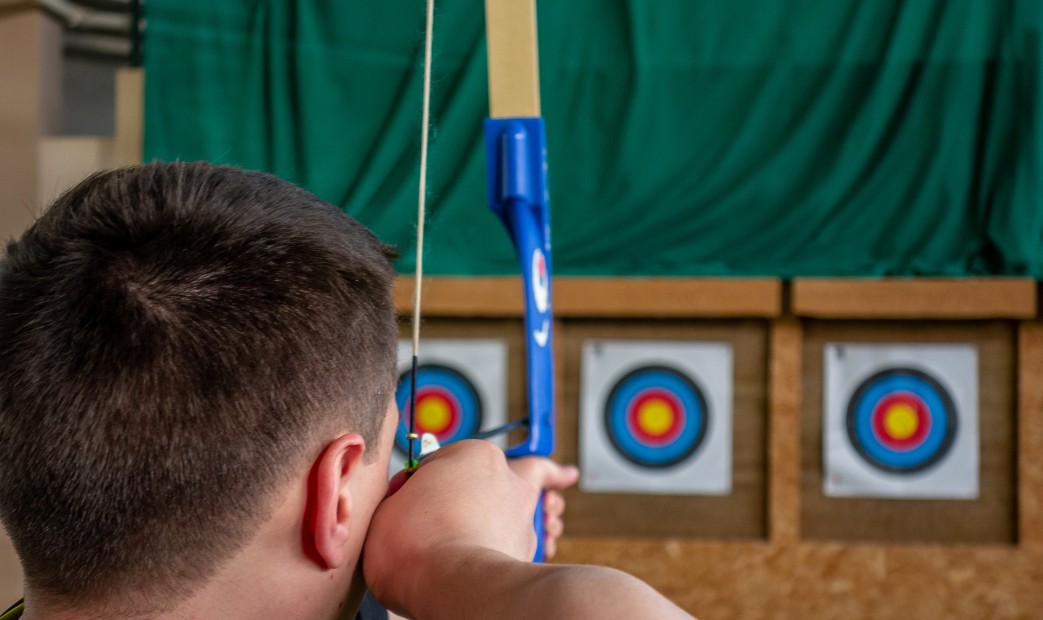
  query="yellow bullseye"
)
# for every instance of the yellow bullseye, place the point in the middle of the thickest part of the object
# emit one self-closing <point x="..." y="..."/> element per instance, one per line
<point x="433" y="414"/>
<point x="901" y="421"/>
<point x="656" y="416"/>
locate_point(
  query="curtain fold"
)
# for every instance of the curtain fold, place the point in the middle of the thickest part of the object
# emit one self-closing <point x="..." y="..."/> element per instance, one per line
<point x="686" y="137"/>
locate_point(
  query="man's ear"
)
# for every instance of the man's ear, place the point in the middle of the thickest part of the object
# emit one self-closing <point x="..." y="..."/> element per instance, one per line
<point x="329" y="498"/>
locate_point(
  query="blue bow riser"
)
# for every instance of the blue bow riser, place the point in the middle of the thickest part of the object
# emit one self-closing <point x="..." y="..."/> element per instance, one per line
<point x="517" y="182"/>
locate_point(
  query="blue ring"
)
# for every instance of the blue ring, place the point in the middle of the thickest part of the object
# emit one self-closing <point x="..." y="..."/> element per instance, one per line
<point x="450" y="380"/>
<point x="694" y="409"/>
<point x="939" y="405"/>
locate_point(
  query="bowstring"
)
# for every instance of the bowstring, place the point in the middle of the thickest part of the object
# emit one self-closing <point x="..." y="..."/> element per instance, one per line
<point x="425" y="130"/>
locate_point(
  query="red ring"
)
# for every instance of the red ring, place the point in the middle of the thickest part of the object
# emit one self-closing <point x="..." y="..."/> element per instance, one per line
<point x="454" y="409"/>
<point x="659" y="439"/>
<point x="923" y="418"/>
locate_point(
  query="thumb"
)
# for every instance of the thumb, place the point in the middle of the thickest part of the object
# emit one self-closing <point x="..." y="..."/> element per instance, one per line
<point x="544" y="473"/>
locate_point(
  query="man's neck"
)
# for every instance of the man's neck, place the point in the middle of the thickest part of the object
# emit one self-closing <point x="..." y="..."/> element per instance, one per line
<point x="222" y="597"/>
<point x="270" y="577"/>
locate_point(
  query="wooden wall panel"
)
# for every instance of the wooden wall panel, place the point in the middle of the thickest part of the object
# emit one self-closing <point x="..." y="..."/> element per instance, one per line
<point x="798" y="565"/>
<point x="499" y="296"/>
<point x="827" y="581"/>
<point x="989" y="519"/>
<point x="784" y="439"/>
<point x="743" y="514"/>
<point x="915" y="298"/>
<point x="1030" y="434"/>
<point x="668" y="297"/>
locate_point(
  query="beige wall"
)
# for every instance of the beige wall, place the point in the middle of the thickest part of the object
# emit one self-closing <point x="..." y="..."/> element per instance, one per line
<point x="30" y="100"/>
<point x="30" y="107"/>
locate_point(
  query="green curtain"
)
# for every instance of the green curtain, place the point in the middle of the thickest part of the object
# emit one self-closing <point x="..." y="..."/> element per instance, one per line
<point x="685" y="137"/>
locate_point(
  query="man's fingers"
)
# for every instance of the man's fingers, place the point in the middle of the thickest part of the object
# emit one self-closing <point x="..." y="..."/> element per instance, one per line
<point x="553" y="504"/>
<point x="544" y="473"/>
<point x="550" y="548"/>
<point x="554" y="527"/>
<point x="562" y="477"/>
<point x="553" y="507"/>
<point x="558" y="476"/>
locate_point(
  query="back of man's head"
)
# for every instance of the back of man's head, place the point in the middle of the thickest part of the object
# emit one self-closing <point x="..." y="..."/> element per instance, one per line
<point x="175" y="340"/>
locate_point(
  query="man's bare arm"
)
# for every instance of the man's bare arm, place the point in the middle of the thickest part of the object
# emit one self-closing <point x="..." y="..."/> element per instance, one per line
<point x="485" y="584"/>
<point x="456" y="539"/>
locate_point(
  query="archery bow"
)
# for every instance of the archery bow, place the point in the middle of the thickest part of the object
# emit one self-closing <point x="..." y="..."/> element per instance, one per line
<point x="516" y="168"/>
<point x="516" y="162"/>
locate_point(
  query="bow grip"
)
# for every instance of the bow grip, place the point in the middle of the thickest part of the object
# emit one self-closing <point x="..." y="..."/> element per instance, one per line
<point x="540" y="528"/>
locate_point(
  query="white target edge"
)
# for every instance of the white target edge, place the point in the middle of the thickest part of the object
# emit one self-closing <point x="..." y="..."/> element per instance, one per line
<point x="706" y="472"/>
<point x="847" y="474"/>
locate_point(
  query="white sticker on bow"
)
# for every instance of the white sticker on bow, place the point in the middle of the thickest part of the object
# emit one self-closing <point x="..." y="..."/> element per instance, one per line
<point x="540" y="280"/>
<point x="542" y="335"/>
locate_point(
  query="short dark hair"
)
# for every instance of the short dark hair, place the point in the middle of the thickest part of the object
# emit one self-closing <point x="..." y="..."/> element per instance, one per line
<point x="175" y="340"/>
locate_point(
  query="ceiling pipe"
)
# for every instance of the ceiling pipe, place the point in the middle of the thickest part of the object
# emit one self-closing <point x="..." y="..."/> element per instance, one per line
<point x="76" y="17"/>
<point x="98" y="44"/>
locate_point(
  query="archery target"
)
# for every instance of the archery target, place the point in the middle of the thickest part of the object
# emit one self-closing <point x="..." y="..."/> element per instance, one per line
<point x="447" y="404"/>
<point x="655" y="417"/>
<point x="461" y="390"/>
<point x="901" y="421"/>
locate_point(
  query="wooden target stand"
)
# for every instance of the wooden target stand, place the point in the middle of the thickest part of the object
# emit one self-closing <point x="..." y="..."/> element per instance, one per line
<point x="777" y="547"/>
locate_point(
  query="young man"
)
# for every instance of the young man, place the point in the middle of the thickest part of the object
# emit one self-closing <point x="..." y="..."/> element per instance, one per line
<point x="197" y="366"/>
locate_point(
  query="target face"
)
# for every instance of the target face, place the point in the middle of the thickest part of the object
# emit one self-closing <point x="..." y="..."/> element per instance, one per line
<point x="447" y="405"/>
<point x="461" y="390"/>
<point x="656" y="417"/>
<point x="901" y="420"/>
